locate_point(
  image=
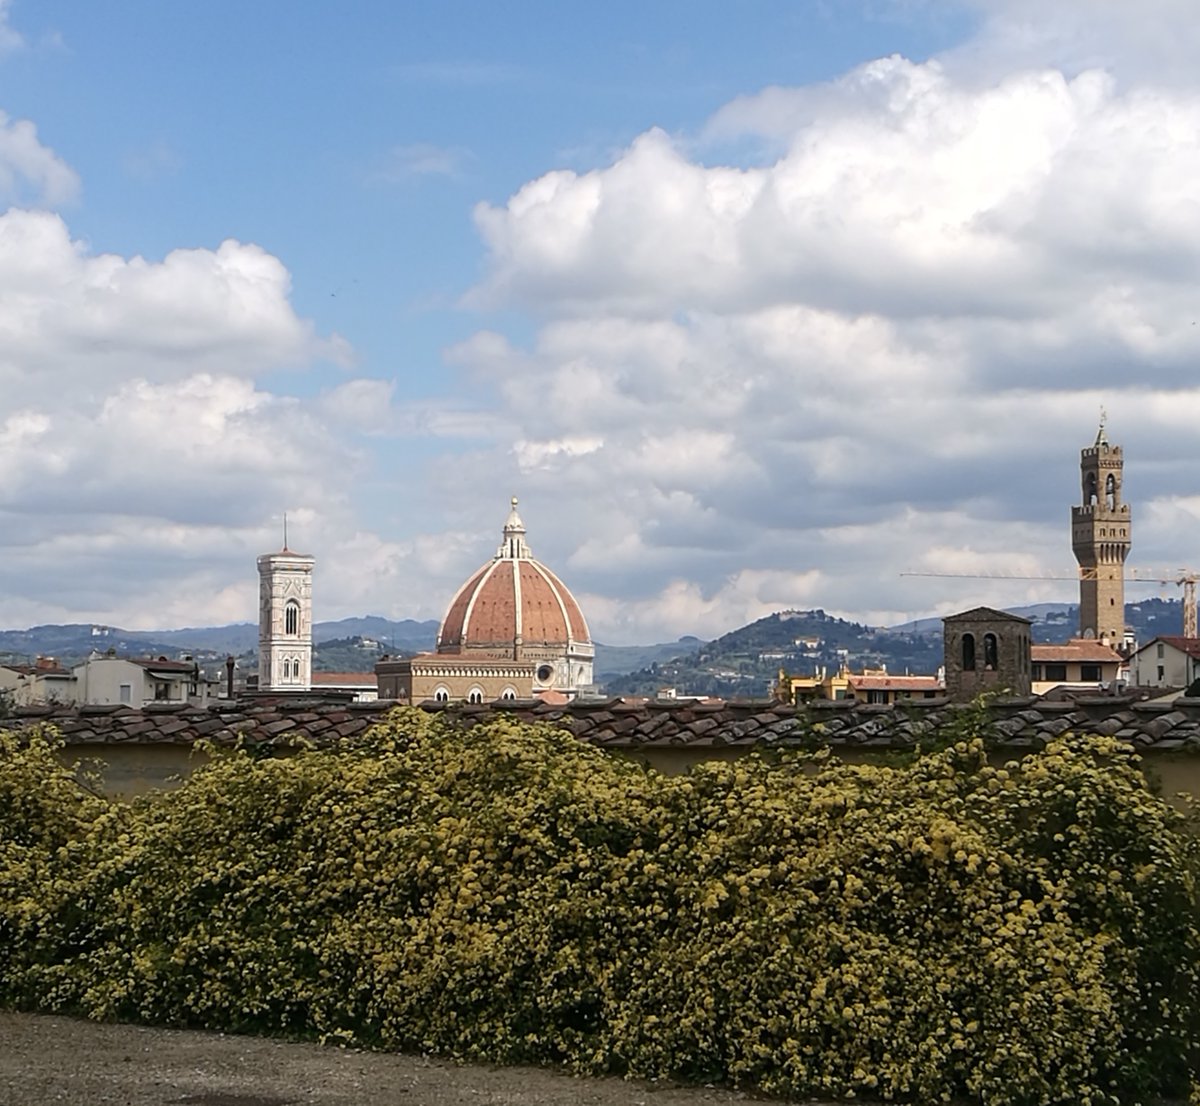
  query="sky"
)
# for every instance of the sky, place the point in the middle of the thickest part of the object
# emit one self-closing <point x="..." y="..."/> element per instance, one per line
<point x="754" y="308"/>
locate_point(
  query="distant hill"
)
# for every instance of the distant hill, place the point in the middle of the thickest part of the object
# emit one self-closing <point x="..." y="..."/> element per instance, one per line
<point x="745" y="662"/>
<point x="209" y="644"/>
<point x="617" y="660"/>
<point x="345" y="645"/>
<point x="1056" y="622"/>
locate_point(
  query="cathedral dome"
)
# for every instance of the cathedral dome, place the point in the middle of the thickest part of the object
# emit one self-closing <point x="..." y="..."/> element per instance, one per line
<point x="515" y="606"/>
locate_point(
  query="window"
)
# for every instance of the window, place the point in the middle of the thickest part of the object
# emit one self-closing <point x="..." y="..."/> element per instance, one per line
<point x="968" y="652"/>
<point x="508" y="694"/>
<point x="1110" y="492"/>
<point x="544" y="674"/>
<point x="1089" y="489"/>
<point x="1037" y="672"/>
<point x="990" y="652"/>
<point x="1056" y="672"/>
<point x="127" y="693"/>
<point x="291" y="617"/>
<point x="877" y="696"/>
<point x="441" y="695"/>
<point x="1090" y="673"/>
<point x="1162" y="673"/>
<point x="1160" y="653"/>
<point x="162" y="691"/>
<point x="475" y="695"/>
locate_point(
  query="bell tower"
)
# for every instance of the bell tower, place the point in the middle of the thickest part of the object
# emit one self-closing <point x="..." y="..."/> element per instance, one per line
<point x="1100" y="540"/>
<point x="285" y="621"/>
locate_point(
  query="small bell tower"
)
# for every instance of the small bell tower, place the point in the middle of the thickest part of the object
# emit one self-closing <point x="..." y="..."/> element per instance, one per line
<point x="1101" y="535"/>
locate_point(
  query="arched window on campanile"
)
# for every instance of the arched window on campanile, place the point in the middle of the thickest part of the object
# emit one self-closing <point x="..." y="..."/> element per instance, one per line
<point x="968" y="652"/>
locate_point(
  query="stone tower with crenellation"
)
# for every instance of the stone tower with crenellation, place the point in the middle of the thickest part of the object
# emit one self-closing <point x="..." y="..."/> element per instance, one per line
<point x="1100" y="538"/>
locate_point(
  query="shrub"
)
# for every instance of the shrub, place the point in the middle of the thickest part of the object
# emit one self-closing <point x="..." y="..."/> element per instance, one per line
<point x="1025" y="934"/>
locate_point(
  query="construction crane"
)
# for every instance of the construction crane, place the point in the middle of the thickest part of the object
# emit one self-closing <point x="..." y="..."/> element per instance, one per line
<point x="1184" y="578"/>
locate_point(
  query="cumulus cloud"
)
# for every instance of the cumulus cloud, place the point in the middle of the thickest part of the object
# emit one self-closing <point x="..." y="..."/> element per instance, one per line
<point x="844" y="330"/>
<point x="878" y="346"/>
<point x="143" y="460"/>
<point x="88" y="320"/>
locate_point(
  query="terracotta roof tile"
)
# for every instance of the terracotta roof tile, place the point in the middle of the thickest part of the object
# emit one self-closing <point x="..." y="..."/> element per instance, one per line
<point x="1020" y="723"/>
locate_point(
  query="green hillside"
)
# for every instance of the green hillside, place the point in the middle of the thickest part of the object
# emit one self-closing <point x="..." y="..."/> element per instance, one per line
<point x="744" y="663"/>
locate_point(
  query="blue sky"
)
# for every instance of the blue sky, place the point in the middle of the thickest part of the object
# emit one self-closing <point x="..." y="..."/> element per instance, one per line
<point x="751" y="312"/>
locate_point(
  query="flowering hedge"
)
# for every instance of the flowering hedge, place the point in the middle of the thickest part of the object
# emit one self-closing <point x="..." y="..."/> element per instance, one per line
<point x="946" y="928"/>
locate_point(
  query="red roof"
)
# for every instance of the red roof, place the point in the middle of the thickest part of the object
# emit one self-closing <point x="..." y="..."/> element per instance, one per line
<point x="1087" y="650"/>
<point x="1188" y="645"/>
<point x="343" y="679"/>
<point x="895" y="683"/>
<point x="485" y="615"/>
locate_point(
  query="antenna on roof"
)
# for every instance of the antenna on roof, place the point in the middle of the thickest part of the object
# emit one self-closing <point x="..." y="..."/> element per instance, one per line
<point x="285" y="545"/>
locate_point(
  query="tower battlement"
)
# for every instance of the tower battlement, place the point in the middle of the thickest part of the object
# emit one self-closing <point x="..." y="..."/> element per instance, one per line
<point x="1101" y="537"/>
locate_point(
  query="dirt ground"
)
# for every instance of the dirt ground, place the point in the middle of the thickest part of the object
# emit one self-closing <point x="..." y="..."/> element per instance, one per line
<point x="46" y="1061"/>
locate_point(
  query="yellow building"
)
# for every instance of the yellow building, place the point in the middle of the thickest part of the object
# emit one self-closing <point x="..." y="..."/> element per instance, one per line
<point x="820" y="685"/>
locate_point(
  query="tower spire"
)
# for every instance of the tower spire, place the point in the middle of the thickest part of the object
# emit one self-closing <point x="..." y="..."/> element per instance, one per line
<point x="285" y="545"/>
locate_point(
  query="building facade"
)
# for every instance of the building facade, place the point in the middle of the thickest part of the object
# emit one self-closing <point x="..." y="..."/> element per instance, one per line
<point x="109" y="680"/>
<point x="1101" y="534"/>
<point x="45" y="681"/>
<point x="285" y="621"/>
<point x="987" y="651"/>
<point x="512" y="631"/>
<point x="1080" y="664"/>
<point x="1166" y="662"/>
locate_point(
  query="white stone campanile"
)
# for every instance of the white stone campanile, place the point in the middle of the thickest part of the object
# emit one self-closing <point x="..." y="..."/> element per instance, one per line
<point x="285" y="621"/>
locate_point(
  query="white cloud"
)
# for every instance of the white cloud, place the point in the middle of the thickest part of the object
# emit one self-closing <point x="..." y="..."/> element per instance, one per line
<point x="878" y="348"/>
<point x="29" y="171"/>
<point x="748" y="383"/>
<point x="86" y="321"/>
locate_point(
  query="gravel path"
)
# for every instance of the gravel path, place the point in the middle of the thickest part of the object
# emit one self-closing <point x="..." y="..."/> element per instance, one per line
<point x="48" y="1060"/>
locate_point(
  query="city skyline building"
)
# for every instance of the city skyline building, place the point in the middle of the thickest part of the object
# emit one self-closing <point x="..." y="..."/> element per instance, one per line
<point x="1101" y="537"/>
<point x="285" y="620"/>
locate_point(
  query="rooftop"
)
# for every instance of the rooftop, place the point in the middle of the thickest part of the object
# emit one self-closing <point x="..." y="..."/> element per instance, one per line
<point x="616" y="724"/>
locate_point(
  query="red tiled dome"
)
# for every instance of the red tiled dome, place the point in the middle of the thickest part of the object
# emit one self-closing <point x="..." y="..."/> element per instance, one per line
<point x="512" y="599"/>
